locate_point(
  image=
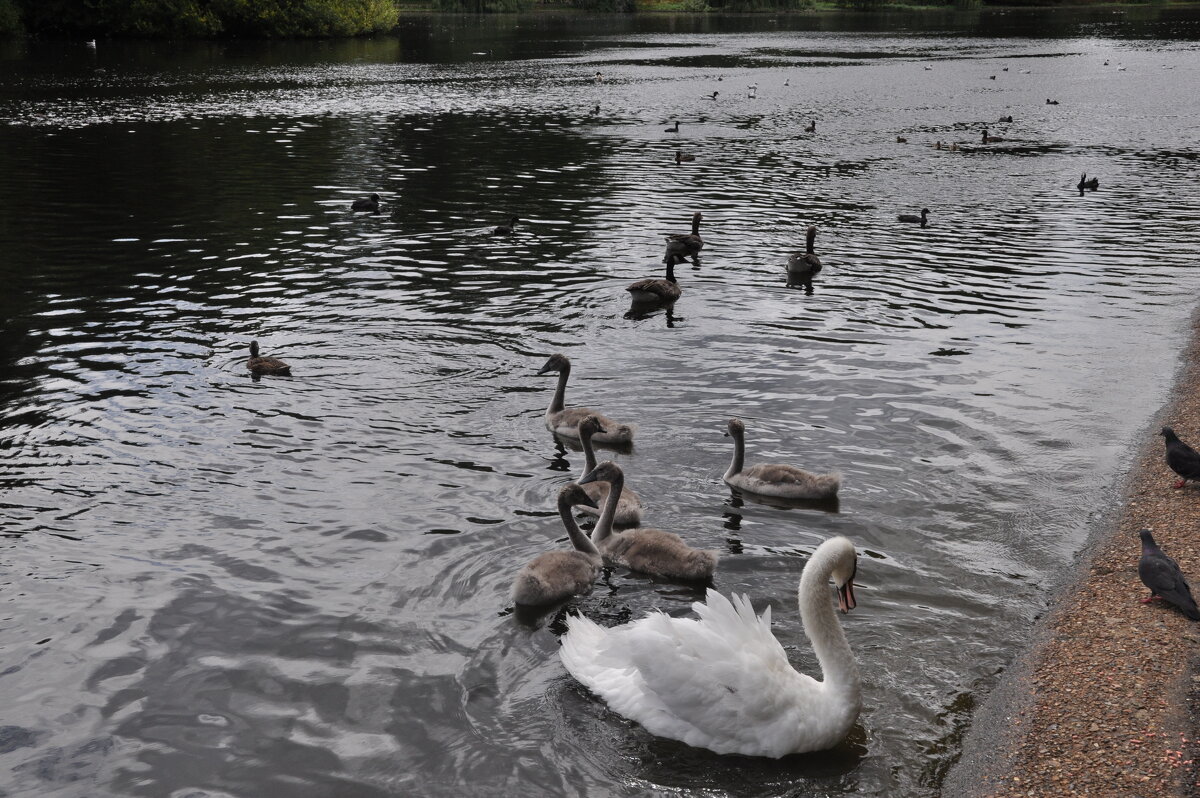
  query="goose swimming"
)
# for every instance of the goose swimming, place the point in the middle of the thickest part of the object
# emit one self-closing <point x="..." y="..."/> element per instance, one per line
<point x="806" y="263"/>
<point x="681" y="246"/>
<point x="771" y="479"/>
<point x="722" y="681"/>
<point x="661" y="290"/>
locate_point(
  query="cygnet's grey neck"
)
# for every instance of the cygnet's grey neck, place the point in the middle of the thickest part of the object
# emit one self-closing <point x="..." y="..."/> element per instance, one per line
<point x="604" y="526"/>
<point x="578" y="539"/>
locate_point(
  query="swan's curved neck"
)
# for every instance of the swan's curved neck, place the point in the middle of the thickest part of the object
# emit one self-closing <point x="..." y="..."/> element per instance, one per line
<point x="560" y="393"/>
<point x="589" y="453"/>
<point x="579" y="540"/>
<point x="838" y="667"/>
<point x="604" y="525"/>
<point x="739" y="454"/>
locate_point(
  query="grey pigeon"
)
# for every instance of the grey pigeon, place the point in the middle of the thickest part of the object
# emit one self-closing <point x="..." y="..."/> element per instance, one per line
<point x="1162" y="575"/>
<point x="1182" y="458"/>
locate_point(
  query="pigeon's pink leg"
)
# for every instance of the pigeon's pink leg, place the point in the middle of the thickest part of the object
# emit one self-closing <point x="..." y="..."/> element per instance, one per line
<point x="1152" y="598"/>
<point x="1180" y="483"/>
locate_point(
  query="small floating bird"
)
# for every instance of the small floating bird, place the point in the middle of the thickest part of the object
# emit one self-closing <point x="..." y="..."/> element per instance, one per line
<point x="771" y="479"/>
<point x="805" y="264"/>
<point x="716" y="94"/>
<point x="557" y="575"/>
<point x="991" y="77"/>
<point x="1083" y="183"/>
<point x="787" y="82"/>
<point x="1005" y="119"/>
<point x="565" y="420"/>
<point x="812" y="127"/>
<point x="1051" y="102"/>
<point x="923" y="219"/>
<point x="680" y="156"/>
<point x="901" y="140"/>
<point x="649" y="551"/>
<point x="506" y="229"/>
<point x="752" y="90"/>
<point x="928" y="69"/>
<point x="599" y="77"/>
<point x="369" y="204"/>
<point x="266" y="365"/>
<point x="657" y="290"/>
<point x="991" y="139"/>
<point x="1005" y="69"/>
<point x="682" y="246"/>
<point x="672" y="129"/>
<point x="1162" y="575"/>
<point x="1181" y="458"/>
<point x="722" y="681"/>
<point x="596" y="110"/>
<point x="629" y="507"/>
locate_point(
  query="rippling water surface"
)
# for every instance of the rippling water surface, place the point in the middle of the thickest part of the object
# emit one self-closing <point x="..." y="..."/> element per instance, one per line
<point x="215" y="585"/>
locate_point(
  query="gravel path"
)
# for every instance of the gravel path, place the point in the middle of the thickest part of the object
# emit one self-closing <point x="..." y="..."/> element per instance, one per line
<point x="1107" y="700"/>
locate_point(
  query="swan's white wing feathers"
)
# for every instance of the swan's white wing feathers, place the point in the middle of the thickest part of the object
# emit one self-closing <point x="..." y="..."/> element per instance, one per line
<point x="722" y="682"/>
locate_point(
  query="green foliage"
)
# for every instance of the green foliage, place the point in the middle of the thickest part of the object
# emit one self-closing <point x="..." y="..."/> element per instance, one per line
<point x="482" y="6"/>
<point x="190" y="18"/>
<point x="10" y="18"/>
<point x="606" y="6"/>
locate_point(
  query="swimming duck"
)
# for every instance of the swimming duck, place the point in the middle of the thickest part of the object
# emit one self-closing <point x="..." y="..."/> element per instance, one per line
<point x="368" y="204"/>
<point x="506" y="229"/>
<point x="266" y="365"/>
<point x="923" y="218"/>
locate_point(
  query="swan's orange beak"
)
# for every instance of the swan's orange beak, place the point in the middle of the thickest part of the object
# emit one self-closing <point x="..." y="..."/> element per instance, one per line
<point x="846" y="596"/>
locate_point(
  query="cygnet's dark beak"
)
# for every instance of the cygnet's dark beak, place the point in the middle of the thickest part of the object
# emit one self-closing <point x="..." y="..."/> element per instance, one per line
<point x="846" y="596"/>
<point x="588" y="500"/>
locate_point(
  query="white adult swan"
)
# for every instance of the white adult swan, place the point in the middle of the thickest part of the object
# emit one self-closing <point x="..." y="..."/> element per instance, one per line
<point x="565" y="420"/>
<point x="558" y="575"/>
<point x="723" y="682"/>
<point x="651" y="551"/>
<point x="774" y="479"/>
<point x="629" y="506"/>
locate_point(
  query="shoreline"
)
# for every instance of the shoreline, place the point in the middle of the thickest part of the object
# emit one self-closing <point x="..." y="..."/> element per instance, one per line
<point x="1105" y="699"/>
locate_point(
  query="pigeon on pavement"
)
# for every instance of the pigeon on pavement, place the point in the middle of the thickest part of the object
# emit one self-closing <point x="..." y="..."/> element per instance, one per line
<point x="1162" y="575"/>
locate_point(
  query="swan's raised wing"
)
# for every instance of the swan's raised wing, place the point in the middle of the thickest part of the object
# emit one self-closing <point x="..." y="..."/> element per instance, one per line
<point x="722" y="682"/>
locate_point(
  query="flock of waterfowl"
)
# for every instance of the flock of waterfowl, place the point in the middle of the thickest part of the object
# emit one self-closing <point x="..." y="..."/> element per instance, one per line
<point x="720" y="681"/>
<point x="694" y="681"/>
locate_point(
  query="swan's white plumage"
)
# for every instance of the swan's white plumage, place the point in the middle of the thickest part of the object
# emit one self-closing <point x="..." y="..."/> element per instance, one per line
<point x="722" y="681"/>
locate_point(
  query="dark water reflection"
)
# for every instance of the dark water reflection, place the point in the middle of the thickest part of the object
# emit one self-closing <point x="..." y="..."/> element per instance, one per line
<point x="299" y="586"/>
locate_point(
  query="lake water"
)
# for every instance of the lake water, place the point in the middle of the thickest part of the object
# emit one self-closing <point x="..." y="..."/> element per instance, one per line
<point x="219" y="586"/>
